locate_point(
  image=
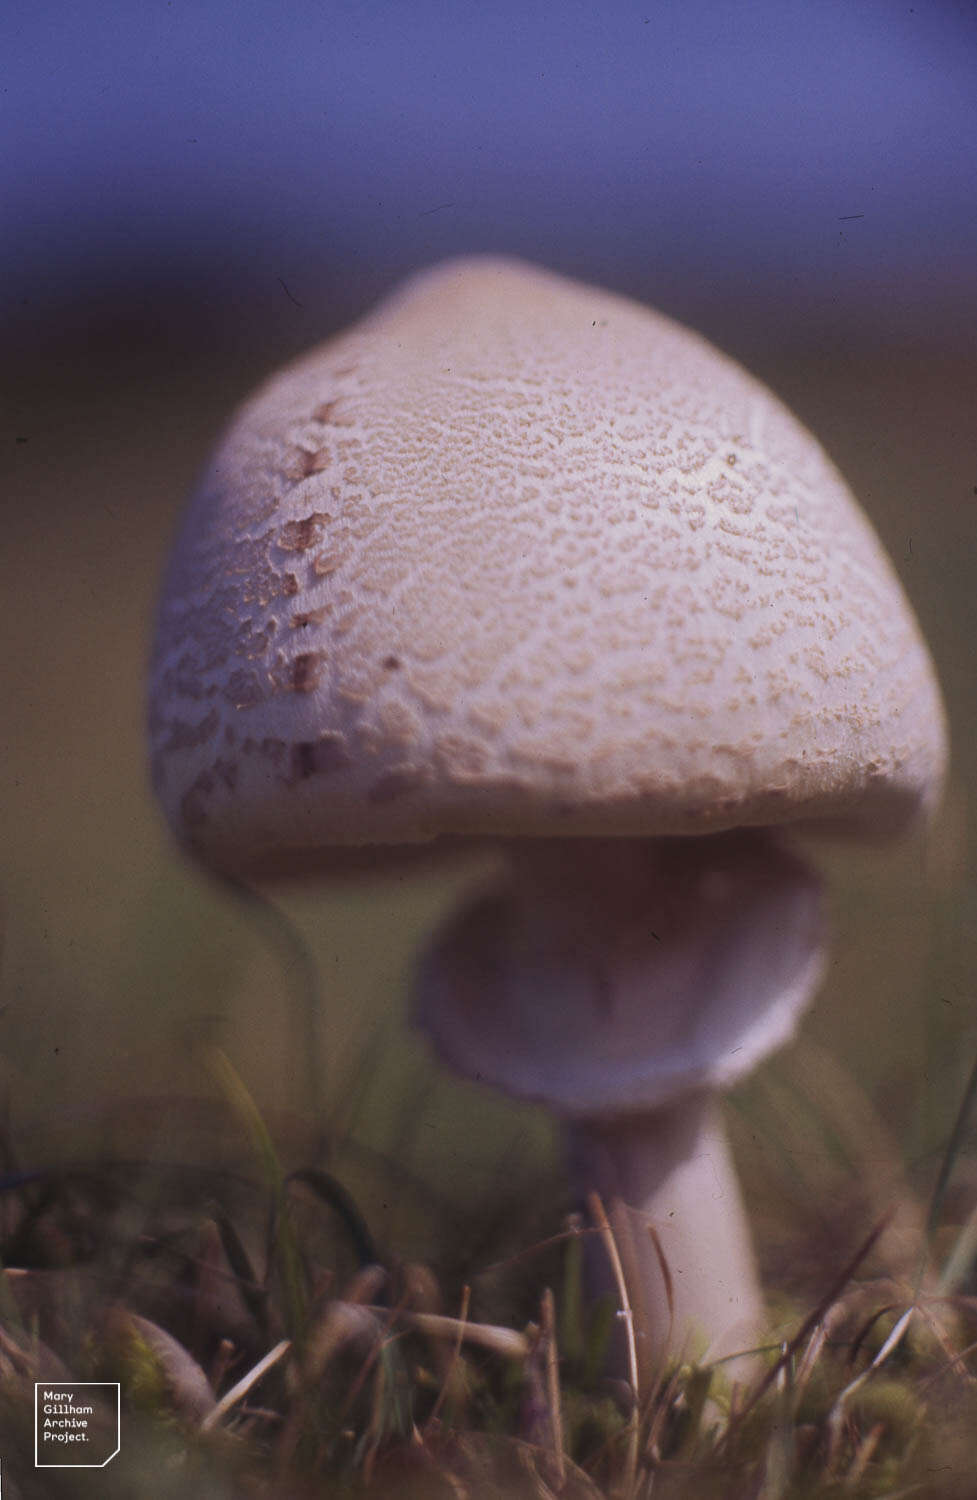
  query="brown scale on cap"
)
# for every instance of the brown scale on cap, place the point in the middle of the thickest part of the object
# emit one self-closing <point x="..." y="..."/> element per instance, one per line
<point x="611" y="568"/>
<point x="299" y="536"/>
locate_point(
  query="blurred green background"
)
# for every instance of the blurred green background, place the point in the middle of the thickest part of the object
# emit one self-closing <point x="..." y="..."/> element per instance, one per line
<point x="197" y="197"/>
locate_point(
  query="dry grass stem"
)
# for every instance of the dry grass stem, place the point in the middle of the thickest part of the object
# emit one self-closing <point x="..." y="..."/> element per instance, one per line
<point x="815" y="1317"/>
<point x="454" y="1358"/>
<point x="812" y="1354"/>
<point x="863" y="1456"/>
<point x="955" y="1364"/>
<point x="237" y="1392"/>
<point x="554" y="1400"/>
<point x="600" y="1218"/>
<point x="838" y="1412"/>
<point x="506" y="1341"/>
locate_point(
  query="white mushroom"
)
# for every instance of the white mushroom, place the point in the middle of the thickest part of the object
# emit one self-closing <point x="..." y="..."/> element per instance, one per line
<point x="515" y="559"/>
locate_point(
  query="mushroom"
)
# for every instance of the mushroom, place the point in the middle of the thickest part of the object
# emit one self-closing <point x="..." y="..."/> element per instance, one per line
<point x="518" y="561"/>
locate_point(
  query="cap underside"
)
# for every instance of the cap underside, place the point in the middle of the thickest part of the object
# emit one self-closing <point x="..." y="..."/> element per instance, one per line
<point x="639" y="977"/>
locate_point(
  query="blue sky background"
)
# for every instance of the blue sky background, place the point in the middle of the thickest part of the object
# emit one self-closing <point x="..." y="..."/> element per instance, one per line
<point x="809" y="163"/>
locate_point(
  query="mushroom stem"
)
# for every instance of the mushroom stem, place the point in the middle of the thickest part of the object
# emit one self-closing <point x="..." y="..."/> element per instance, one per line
<point x="671" y="1172"/>
<point x="625" y="984"/>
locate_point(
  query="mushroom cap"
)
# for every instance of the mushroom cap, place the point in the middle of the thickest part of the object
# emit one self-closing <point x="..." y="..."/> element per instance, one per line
<point x="613" y="983"/>
<point x="518" y="557"/>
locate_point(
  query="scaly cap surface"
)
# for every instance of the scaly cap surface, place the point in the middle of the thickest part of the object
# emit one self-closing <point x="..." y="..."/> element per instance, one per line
<point x="517" y="556"/>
